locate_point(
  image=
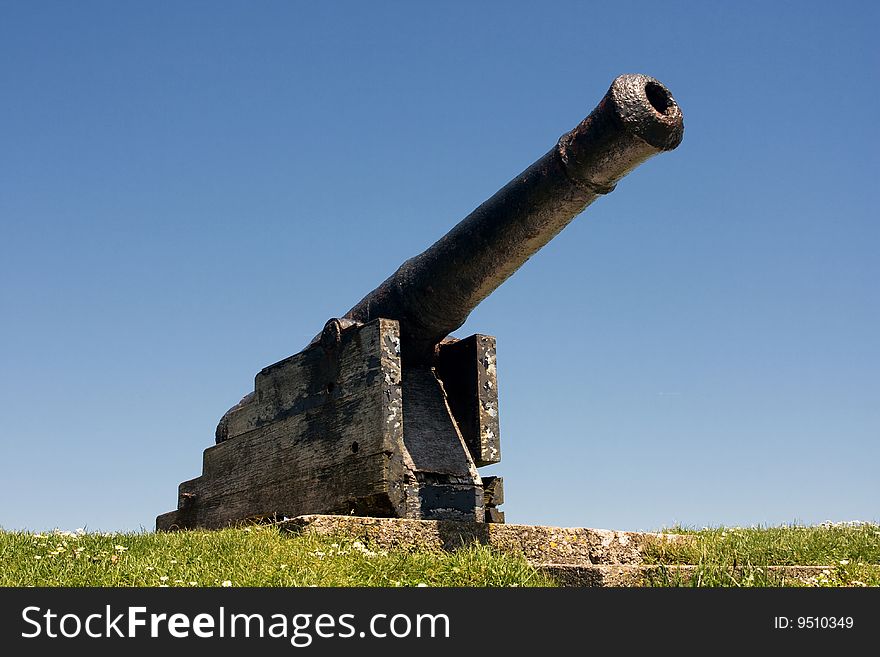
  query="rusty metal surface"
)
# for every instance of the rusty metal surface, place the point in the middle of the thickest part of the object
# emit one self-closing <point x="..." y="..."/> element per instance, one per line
<point x="433" y="293"/>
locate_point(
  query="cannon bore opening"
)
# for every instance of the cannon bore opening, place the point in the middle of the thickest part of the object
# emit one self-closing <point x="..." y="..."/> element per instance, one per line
<point x="658" y="97"/>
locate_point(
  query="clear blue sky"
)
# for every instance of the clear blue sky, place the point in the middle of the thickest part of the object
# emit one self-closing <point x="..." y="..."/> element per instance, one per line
<point x="188" y="191"/>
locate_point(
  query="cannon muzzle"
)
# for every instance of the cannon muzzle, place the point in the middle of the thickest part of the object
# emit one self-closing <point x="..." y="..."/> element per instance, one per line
<point x="433" y="293"/>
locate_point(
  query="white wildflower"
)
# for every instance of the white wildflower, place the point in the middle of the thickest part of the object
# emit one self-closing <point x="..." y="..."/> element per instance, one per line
<point x="363" y="549"/>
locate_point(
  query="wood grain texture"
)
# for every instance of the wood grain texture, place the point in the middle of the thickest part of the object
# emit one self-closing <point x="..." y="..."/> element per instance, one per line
<point x="336" y="429"/>
<point x="449" y="486"/>
<point x="493" y="491"/>
<point x="323" y="431"/>
<point x="468" y="372"/>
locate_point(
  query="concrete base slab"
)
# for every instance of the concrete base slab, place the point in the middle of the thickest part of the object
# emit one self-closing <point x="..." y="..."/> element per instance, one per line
<point x="572" y="556"/>
<point x="629" y="575"/>
<point x="573" y="546"/>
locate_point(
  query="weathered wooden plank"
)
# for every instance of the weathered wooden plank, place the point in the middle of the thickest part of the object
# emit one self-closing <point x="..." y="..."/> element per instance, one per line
<point x="430" y="433"/>
<point x="301" y="445"/>
<point x="309" y="379"/>
<point x="494" y="515"/>
<point x="493" y="491"/>
<point x="493" y="497"/>
<point x="338" y="429"/>
<point x="467" y="369"/>
<point x="449" y="487"/>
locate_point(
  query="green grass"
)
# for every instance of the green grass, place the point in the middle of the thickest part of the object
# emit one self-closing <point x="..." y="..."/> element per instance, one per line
<point x="262" y="555"/>
<point x="742" y="556"/>
<point x="252" y="556"/>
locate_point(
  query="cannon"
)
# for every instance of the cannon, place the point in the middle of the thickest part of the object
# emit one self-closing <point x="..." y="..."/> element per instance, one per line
<point x="384" y="413"/>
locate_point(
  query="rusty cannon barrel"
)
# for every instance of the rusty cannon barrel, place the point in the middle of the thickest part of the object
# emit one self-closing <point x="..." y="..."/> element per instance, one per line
<point x="432" y="294"/>
<point x="381" y="416"/>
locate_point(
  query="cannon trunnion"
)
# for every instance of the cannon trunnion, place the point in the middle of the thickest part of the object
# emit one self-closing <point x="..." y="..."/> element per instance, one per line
<point x="383" y="414"/>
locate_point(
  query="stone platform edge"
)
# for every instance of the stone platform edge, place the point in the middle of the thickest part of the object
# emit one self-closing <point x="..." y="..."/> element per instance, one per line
<point x="572" y="546"/>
